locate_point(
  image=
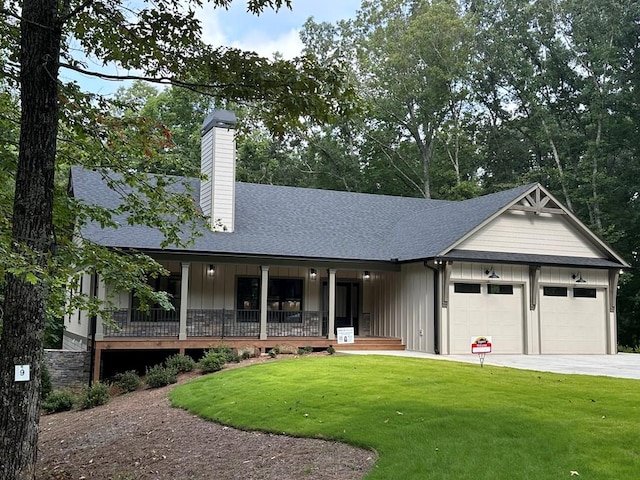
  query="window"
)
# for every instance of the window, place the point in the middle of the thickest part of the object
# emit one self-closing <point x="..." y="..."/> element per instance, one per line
<point x="466" y="287"/>
<point x="284" y="299"/>
<point x="554" y="291"/>
<point x="584" y="293"/>
<point x="494" y="289"/>
<point x="170" y="284"/>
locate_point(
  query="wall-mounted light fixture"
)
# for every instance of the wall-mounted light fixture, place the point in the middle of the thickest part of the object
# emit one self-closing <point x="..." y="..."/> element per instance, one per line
<point x="578" y="277"/>
<point x="366" y="275"/>
<point x="313" y="273"/>
<point x="211" y="271"/>
<point x="492" y="273"/>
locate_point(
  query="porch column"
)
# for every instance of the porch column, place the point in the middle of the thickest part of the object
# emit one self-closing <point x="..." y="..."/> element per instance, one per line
<point x="264" y="289"/>
<point x="332" y="304"/>
<point x="184" y="297"/>
<point x="102" y="295"/>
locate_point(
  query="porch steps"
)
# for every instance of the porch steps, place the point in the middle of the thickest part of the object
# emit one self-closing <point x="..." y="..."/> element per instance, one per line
<point x="373" y="343"/>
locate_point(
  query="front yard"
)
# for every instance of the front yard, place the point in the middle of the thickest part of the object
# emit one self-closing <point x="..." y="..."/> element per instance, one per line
<point x="433" y="419"/>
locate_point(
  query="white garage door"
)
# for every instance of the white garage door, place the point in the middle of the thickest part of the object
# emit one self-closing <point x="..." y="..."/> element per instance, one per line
<point x="573" y="320"/>
<point x="481" y="309"/>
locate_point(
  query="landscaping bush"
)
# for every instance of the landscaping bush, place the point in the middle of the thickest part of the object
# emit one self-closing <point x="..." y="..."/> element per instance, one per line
<point x="627" y="349"/>
<point x="45" y="381"/>
<point x="59" y="401"/>
<point x="273" y="353"/>
<point x="245" y="355"/>
<point x="331" y="350"/>
<point x="96" y="394"/>
<point x="212" y="362"/>
<point x="304" y="350"/>
<point x="159" y="376"/>
<point x="229" y="354"/>
<point x="180" y="363"/>
<point x="128" y="381"/>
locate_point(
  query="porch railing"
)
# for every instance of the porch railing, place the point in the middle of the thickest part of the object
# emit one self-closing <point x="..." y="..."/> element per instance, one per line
<point x="218" y="323"/>
<point x="246" y="323"/>
<point x="132" y="323"/>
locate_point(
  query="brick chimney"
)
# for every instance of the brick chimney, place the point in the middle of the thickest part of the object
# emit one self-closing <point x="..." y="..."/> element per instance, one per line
<point x="218" y="165"/>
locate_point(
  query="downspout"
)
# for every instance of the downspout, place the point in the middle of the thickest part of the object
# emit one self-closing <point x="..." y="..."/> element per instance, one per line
<point x="92" y="332"/>
<point x="436" y="309"/>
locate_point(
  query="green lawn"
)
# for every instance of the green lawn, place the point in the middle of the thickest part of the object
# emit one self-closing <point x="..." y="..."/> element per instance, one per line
<point x="430" y="419"/>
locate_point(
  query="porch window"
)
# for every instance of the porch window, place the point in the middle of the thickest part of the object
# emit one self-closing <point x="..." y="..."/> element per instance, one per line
<point x="284" y="299"/>
<point x="170" y="284"/>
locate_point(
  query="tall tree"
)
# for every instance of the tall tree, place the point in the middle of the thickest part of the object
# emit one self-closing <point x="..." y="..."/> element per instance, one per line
<point x="160" y="39"/>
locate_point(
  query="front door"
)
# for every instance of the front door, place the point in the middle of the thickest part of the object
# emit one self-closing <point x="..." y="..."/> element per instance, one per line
<point x="347" y="304"/>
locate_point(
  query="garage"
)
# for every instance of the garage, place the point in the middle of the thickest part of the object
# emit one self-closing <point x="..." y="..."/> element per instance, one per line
<point x="573" y="320"/>
<point x="486" y="309"/>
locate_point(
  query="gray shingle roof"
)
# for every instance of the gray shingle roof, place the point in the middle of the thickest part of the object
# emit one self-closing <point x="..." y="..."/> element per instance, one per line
<point x="309" y="223"/>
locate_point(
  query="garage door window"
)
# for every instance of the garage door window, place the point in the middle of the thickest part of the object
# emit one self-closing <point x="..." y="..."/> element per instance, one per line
<point x="500" y="289"/>
<point x="466" y="287"/>
<point x="554" y="291"/>
<point x="584" y="292"/>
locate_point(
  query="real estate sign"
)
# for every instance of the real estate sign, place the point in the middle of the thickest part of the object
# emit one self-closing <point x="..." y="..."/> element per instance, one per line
<point x="481" y="344"/>
<point x="345" y="335"/>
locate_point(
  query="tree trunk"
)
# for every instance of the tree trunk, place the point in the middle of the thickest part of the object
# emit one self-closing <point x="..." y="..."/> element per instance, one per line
<point x="24" y="305"/>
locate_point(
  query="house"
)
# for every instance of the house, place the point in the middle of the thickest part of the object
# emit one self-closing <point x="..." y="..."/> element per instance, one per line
<point x="290" y="265"/>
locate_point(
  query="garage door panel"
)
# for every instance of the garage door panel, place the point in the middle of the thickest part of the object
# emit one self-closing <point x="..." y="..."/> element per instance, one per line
<point x="500" y="316"/>
<point x="573" y="325"/>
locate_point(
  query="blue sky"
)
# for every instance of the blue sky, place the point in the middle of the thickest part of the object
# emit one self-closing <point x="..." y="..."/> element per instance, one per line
<point x="264" y="34"/>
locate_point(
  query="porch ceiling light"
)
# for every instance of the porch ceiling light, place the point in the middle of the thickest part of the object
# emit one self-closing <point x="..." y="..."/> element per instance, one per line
<point x="578" y="277"/>
<point x="313" y="274"/>
<point x="492" y="273"/>
<point x="367" y="275"/>
<point x="211" y="271"/>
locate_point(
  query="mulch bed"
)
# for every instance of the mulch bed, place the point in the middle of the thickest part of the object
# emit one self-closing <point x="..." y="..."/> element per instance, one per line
<point x="139" y="436"/>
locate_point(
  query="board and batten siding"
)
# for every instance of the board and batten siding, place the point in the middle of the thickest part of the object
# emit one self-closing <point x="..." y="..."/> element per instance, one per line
<point x="520" y="232"/>
<point x="417" y="308"/>
<point x="386" y="304"/>
<point x="217" y="192"/>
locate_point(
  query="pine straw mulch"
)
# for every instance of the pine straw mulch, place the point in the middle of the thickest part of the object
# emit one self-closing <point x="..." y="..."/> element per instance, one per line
<point x="140" y="436"/>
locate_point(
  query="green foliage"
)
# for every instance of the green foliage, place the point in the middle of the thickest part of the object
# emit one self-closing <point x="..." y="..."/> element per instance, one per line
<point x="180" y="363"/>
<point x="160" y="376"/>
<point x="304" y="350"/>
<point x="229" y="354"/>
<point x="273" y="353"/>
<point x="331" y="350"/>
<point x="59" y="401"/>
<point x="93" y="396"/>
<point x="128" y="381"/>
<point x="626" y="349"/>
<point x="45" y="381"/>
<point x="212" y="362"/>
<point x="433" y="419"/>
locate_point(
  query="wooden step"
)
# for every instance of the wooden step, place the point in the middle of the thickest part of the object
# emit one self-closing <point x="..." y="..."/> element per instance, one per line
<point x="372" y="343"/>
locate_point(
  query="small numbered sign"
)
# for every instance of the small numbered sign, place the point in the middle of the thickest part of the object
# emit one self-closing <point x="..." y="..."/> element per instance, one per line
<point x="22" y="373"/>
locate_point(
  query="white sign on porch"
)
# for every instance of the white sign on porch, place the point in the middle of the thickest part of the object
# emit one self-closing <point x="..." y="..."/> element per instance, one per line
<point x="345" y="335"/>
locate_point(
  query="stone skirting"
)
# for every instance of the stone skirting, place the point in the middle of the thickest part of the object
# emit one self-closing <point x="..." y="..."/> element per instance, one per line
<point x="68" y="368"/>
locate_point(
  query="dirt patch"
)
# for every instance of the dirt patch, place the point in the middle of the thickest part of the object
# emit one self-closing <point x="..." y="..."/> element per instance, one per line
<point x="139" y="436"/>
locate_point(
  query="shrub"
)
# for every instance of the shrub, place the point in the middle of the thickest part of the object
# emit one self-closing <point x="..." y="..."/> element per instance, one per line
<point x="45" y="381"/>
<point x="229" y="354"/>
<point x="331" y="350"/>
<point x="304" y="350"/>
<point x="180" y="363"/>
<point x="212" y="362"/>
<point x="159" y="376"/>
<point x="627" y="349"/>
<point x="96" y="394"/>
<point x="245" y="355"/>
<point x="273" y="353"/>
<point x="59" y="401"/>
<point x="128" y="381"/>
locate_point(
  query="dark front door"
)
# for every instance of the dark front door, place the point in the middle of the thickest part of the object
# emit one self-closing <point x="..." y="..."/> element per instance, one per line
<point x="347" y="304"/>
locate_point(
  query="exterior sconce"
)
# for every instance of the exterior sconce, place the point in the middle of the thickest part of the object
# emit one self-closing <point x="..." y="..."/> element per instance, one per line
<point x="313" y="274"/>
<point x="211" y="271"/>
<point x="578" y="277"/>
<point x="492" y="273"/>
<point x="367" y="275"/>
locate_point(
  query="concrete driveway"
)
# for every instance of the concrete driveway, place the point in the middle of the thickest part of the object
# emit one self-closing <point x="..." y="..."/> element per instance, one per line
<point x="622" y="365"/>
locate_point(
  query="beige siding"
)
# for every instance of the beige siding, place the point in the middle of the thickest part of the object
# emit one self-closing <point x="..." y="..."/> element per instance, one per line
<point x="520" y="232"/>
<point x="217" y="196"/>
<point x="417" y="307"/>
<point x="386" y="304"/>
<point x="78" y="321"/>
